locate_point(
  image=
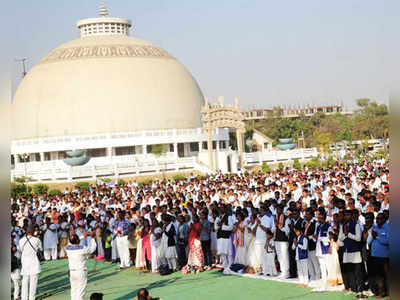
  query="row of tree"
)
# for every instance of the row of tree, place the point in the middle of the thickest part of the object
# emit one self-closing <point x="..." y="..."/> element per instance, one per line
<point x="369" y="121"/>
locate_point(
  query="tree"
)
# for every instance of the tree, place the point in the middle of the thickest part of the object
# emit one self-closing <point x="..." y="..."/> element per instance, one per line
<point x="296" y="164"/>
<point x="158" y="150"/>
<point x="372" y="119"/>
<point x="265" y="167"/>
<point x="324" y="140"/>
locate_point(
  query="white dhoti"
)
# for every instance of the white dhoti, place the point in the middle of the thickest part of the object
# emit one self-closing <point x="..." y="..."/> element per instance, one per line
<point x="270" y="268"/>
<point x="29" y="285"/>
<point x="224" y="250"/>
<point x="282" y="251"/>
<point x="78" y="280"/>
<point x="123" y="251"/>
<point x="15" y="277"/>
<point x="171" y="256"/>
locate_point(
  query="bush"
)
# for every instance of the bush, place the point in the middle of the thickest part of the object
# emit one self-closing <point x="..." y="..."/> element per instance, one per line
<point x="22" y="179"/>
<point x="313" y="163"/>
<point x="40" y="188"/>
<point x="106" y="180"/>
<point x="145" y="182"/>
<point x="281" y="166"/>
<point x="83" y="185"/>
<point x="296" y="164"/>
<point x="265" y="167"/>
<point x="121" y="182"/>
<point x="20" y="189"/>
<point x="178" y="177"/>
<point x="330" y="162"/>
<point x="55" y="192"/>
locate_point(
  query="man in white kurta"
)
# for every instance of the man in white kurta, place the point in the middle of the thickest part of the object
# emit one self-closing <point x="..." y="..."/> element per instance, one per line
<point x="77" y="261"/>
<point x="264" y="223"/>
<point x="224" y="245"/>
<point x="29" y="245"/>
<point x="50" y="241"/>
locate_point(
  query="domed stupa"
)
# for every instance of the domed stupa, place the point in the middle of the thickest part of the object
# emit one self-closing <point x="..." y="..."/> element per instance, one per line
<point x="105" y="81"/>
<point x="111" y="95"/>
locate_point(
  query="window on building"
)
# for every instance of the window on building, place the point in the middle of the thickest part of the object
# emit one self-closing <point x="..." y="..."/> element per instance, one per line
<point x="47" y="156"/>
<point x="171" y="147"/>
<point x="99" y="152"/>
<point x="329" y="109"/>
<point x="129" y="150"/>
<point x="62" y="154"/>
<point x="214" y="143"/>
<point x="205" y="146"/>
<point x="194" y="147"/>
<point x="37" y="156"/>
<point x="222" y="145"/>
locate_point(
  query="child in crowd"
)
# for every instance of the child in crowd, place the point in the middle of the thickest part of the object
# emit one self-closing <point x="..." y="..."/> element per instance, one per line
<point x="270" y="249"/>
<point x="300" y="244"/>
<point x="107" y="247"/>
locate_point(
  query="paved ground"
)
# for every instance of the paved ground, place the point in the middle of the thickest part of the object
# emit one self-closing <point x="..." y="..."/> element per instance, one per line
<point x="211" y="285"/>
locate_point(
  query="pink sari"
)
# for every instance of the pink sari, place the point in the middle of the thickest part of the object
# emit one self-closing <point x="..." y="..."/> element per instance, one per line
<point x="146" y="246"/>
<point x="195" y="250"/>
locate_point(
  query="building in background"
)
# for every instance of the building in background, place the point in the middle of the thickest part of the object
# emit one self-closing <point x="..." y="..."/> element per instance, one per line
<point x="113" y="96"/>
<point x="129" y="106"/>
<point x="294" y="112"/>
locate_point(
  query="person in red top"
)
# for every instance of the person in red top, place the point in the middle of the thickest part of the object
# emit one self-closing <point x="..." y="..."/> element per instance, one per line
<point x="54" y="216"/>
<point x="195" y="250"/>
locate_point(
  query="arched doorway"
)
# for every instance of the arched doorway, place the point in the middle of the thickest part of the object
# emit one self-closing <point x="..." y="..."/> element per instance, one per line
<point x="220" y="116"/>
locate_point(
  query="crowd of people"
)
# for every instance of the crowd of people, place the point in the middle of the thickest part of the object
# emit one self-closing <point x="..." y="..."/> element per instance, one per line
<point x="326" y="226"/>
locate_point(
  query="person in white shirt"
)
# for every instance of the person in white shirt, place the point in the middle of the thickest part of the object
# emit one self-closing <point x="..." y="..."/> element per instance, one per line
<point x="50" y="240"/>
<point x="224" y="226"/>
<point x="77" y="262"/>
<point x="29" y="246"/>
<point x="264" y="223"/>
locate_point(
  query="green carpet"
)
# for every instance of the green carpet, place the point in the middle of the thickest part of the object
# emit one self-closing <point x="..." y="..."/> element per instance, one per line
<point x="211" y="285"/>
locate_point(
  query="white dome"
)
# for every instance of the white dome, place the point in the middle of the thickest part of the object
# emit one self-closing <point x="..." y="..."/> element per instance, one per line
<point x="105" y="83"/>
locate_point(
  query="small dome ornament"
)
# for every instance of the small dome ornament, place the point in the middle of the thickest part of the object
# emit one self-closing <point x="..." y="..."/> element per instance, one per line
<point x="103" y="11"/>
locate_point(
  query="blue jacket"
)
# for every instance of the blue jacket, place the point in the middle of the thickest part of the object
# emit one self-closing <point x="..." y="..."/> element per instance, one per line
<point x="303" y="254"/>
<point x="380" y="246"/>
<point x="351" y="245"/>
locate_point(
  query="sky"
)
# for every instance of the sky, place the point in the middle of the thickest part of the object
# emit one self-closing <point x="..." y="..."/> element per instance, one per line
<point x="264" y="52"/>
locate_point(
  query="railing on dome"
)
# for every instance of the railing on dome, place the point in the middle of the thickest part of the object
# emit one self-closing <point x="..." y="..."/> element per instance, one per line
<point x="111" y="139"/>
<point x="129" y="165"/>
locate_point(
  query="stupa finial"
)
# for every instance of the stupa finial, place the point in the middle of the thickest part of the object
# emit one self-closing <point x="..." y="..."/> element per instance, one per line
<point x="103" y="11"/>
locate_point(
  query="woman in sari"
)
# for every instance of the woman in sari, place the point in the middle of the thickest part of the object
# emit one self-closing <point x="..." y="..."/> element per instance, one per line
<point x="139" y="262"/>
<point x="334" y="272"/>
<point x="252" y="259"/>
<point x="195" y="250"/>
<point x="146" y="245"/>
<point x="238" y="241"/>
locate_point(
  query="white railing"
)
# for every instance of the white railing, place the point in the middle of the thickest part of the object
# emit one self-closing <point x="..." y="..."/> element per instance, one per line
<point x="121" y="139"/>
<point x="59" y="171"/>
<point x="255" y="158"/>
